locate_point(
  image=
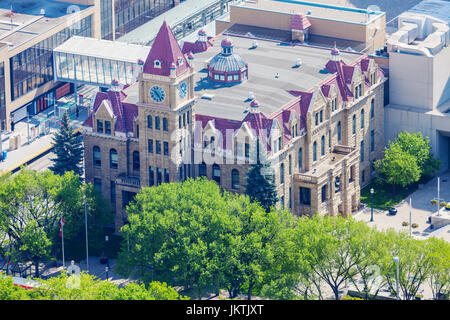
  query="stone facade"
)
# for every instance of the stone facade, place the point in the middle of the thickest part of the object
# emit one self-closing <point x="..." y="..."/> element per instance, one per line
<point x="314" y="145"/>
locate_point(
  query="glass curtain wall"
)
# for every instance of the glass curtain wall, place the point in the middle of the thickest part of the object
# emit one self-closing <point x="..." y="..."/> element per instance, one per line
<point x="106" y="18"/>
<point x="93" y="70"/>
<point x="131" y="14"/>
<point x="33" y="67"/>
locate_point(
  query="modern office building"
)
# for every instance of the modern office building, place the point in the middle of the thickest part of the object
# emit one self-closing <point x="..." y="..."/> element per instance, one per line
<point x="35" y="28"/>
<point x="419" y="76"/>
<point x="315" y="113"/>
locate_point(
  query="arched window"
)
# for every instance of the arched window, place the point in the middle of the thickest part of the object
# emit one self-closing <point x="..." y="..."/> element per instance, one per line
<point x="202" y="170"/>
<point x="322" y="146"/>
<point x="235" y="179"/>
<point x="216" y="173"/>
<point x="372" y="108"/>
<point x="362" y="118"/>
<point x="136" y="161"/>
<point x="157" y="123"/>
<point x="354" y="124"/>
<point x="97" y="157"/>
<point x="165" y="124"/>
<point x="339" y="131"/>
<point x="300" y="158"/>
<point x="315" y="151"/>
<point x="282" y="173"/>
<point x="113" y="159"/>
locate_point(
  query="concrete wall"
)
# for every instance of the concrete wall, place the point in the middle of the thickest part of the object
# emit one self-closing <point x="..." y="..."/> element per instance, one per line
<point x="371" y="34"/>
<point x="398" y="119"/>
<point x="419" y="81"/>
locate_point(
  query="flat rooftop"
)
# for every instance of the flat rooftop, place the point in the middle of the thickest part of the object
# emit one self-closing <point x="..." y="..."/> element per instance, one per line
<point x="147" y="32"/>
<point x="29" y="25"/>
<point x="315" y="10"/>
<point x="53" y="9"/>
<point x="264" y="62"/>
<point x="434" y="8"/>
<point x="105" y="49"/>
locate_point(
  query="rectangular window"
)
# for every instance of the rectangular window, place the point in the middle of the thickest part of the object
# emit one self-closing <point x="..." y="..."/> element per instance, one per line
<point x="324" y="193"/>
<point x="372" y="141"/>
<point x="158" y="176"/>
<point x="362" y="151"/>
<point x="150" y="146"/>
<point x="99" y="126"/>
<point x="98" y="184"/>
<point x="321" y="116"/>
<point x="113" y="193"/>
<point x="157" y="123"/>
<point x="166" y="176"/>
<point x="166" y="148"/>
<point x="305" y="196"/>
<point x="184" y="120"/>
<point x="279" y="144"/>
<point x="108" y="127"/>
<point x="247" y="150"/>
<point x="282" y="202"/>
<point x="149" y="122"/>
<point x="151" y="176"/>
<point x="158" y="147"/>
<point x="317" y="119"/>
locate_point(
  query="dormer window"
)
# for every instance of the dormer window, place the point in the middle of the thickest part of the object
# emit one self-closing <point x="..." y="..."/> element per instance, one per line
<point x="157" y="64"/>
<point x="180" y="61"/>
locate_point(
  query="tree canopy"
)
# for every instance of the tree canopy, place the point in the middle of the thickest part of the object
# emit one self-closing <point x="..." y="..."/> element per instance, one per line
<point x="31" y="206"/>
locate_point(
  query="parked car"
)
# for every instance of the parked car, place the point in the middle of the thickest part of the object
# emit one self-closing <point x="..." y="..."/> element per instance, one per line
<point x="392" y="211"/>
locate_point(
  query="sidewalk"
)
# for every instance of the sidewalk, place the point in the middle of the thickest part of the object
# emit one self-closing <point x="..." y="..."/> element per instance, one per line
<point x="32" y="147"/>
<point x="421" y="211"/>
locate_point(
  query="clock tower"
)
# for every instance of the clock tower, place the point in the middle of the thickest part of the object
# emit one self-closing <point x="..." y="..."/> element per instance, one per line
<point x="166" y="98"/>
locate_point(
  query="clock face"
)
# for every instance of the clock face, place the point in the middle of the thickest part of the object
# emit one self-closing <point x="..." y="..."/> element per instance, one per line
<point x="157" y="94"/>
<point x="183" y="90"/>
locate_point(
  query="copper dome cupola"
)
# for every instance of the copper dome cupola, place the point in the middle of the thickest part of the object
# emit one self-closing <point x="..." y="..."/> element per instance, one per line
<point x="227" y="66"/>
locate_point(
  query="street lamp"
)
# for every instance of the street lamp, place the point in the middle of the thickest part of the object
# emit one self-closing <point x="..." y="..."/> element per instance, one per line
<point x="107" y="272"/>
<point x="371" y="204"/>
<point x="396" y="260"/>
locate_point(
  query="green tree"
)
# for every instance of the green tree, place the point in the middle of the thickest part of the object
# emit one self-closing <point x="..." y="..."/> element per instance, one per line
<point x="419" y="147"/>
<point x="63" y="287"/>
<point x="31" y="206"/>
<point x="398" y="166"/>
<point x="260" y="185"/>
<point x="68" y="150"/>
<point x="439" y="279"/>
<point x="415" y="263"/>
<point x="177" y="233"/>
<point x="332" y="246"/>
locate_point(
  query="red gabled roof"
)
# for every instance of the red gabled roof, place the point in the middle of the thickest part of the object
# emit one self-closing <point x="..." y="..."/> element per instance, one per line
<point x="124" y="112"/>
<point x="166" y="50"/>
<point x="300" y="22"/>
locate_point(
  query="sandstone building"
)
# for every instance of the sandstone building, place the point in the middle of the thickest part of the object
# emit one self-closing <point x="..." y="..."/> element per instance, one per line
<point x="316" y="113"/>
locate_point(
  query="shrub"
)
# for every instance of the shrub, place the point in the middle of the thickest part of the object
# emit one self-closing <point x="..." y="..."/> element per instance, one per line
<point x="443" y="204"/>
<point x="414" y="225"/>
<point x="405" y="224"/>
<point x="433" y="202"/>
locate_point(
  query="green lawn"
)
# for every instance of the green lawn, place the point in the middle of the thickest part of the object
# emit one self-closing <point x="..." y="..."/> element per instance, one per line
<point x="384" y="197"/>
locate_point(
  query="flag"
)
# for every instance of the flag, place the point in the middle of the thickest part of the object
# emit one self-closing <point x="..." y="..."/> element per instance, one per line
<point x="61" y="228"/>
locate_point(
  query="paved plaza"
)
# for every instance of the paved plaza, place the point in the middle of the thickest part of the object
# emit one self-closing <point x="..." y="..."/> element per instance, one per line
<point x="421" y="211"/>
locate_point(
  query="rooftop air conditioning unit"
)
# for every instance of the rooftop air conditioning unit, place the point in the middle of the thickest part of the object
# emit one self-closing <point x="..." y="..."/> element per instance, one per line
<point x="42" y="12"/>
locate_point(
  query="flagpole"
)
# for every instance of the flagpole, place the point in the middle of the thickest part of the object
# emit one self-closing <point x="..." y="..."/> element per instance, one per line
<point x="85" y="220"/>
<point x="410" y="209"/>
<point x="62" y="235"/>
